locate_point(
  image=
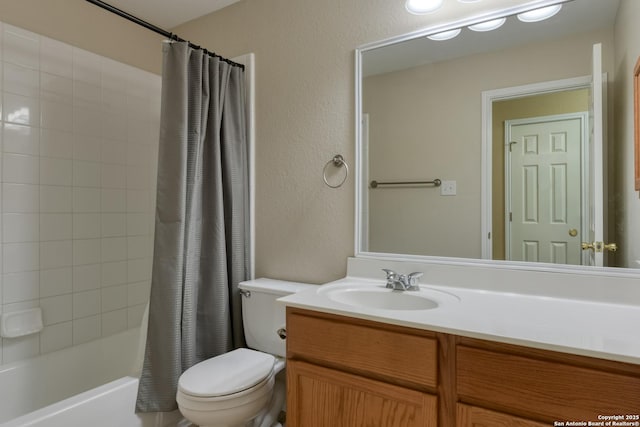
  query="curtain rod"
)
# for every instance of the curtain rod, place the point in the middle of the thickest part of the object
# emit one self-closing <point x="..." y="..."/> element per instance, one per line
<point x="156" y="29"/>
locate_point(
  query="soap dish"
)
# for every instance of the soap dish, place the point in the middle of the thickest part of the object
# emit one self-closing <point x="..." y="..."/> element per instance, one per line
<point x="21" y="323"/>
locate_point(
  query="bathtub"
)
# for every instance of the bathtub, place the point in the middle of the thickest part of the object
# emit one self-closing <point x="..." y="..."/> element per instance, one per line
<point x="93" y="384"/>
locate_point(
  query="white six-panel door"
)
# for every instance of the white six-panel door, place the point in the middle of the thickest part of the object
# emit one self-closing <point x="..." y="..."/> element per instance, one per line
<point x="544" y="201"/>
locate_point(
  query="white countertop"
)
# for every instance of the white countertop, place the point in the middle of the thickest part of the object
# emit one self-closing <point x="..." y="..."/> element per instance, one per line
<point x="598" y="329"/>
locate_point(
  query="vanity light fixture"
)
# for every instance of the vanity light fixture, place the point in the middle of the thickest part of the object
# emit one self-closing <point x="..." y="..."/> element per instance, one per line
<point x="488" y="25"/>
<point x="419" y="7"/>
<point x="445" y="35"/>
<point x="539" y="14"/>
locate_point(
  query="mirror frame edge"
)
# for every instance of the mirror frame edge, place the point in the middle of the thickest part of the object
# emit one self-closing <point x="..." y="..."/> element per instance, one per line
<point x="453" y="261"/>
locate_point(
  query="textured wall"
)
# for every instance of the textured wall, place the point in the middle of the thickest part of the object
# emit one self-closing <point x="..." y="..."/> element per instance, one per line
<point x="627" y="226"/>
<point x="305" y="114"/>
<point x="88" y="27"/>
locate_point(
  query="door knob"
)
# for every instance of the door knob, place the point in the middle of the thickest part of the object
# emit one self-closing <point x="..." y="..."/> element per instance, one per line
<point x="573" y="232"/>
<point x="599" y="246"/>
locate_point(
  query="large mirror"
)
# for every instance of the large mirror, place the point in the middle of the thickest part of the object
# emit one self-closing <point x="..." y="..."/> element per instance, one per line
<point x="514" y="144"/>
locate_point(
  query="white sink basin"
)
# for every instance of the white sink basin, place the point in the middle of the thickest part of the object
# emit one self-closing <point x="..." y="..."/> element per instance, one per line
<point x="380" y="298"/>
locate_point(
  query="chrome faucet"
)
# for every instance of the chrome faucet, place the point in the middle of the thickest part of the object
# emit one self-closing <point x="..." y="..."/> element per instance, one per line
<point x="402" y="282"/>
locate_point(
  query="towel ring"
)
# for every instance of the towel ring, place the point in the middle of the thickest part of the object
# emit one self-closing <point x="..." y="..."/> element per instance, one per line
<point x="337" y="161"/>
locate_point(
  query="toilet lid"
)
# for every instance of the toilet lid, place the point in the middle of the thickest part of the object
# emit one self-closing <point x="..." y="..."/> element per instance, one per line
<point x="226" y="374"/>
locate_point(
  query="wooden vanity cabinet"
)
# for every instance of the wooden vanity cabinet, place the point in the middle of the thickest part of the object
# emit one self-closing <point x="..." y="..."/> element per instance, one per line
<point x="348" y="372"/>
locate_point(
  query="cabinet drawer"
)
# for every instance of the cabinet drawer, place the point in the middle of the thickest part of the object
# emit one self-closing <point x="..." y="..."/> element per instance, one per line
<point x="405" y="357"/>
<point x="543" y="389"/>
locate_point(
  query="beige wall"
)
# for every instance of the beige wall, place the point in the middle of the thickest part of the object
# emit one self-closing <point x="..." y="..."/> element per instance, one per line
<point x="305" y="114"/>
<point x="533" y="106"/>
<point x="425" y="123"/>
<point x="88" y="27"/>
<point x="628" y="202"/>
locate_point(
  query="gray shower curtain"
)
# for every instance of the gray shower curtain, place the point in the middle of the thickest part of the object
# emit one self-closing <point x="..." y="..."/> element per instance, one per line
<point x="201" y="234"/>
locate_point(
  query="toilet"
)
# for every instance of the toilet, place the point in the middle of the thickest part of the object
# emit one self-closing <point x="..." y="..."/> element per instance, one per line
<point x="240" y="388"/>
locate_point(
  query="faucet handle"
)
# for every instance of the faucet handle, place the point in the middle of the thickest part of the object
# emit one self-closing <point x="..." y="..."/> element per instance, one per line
<point x="390" y="273"/>
<point x="413" y="278"/>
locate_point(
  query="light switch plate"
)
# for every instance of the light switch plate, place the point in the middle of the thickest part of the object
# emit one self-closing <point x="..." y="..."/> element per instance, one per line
<point x="448" y="188"/>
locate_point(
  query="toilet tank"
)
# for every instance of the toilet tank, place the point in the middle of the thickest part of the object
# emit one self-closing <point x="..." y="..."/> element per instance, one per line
<point x="262" y="315"/>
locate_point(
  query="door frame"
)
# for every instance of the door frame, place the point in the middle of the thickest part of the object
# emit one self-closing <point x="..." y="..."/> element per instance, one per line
<point x="583" y="116"/>
<point x="488" y="98"/>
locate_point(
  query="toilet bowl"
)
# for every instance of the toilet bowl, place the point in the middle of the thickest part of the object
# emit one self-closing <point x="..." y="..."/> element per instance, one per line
<point x="238" y="388"/>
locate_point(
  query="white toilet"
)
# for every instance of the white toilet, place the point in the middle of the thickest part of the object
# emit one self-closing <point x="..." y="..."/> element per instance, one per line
<point x="239" y="388"/>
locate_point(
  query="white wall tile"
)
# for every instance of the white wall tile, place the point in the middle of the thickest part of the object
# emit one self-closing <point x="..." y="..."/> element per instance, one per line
<point x="138" y="177"/>
<point x="55" y="227"/>
<point x="22" y="227"/>
<point x="113" y="101"/>
<point x="20" y="348"/>
<point x="87" y="122"/>
<point x="114" y="75"/>
<point x="86" y="277"/>
<point x="86" y="148"/>
<point x="56" y="337"/>
<point x="56" y="309"/>
<point x="86" y="225"/>
<point x="55" y="199"/>
<point x="86" y="174"/>
<point x="114" y="249"/>
<point x="57" y="281"/>
<point x="138" y="293"/>
<point x="113" y="176"/>
<point x="138" y="154"/>
<point x="17" y="257"/>
<point x="21" y="80"/>
<point x="87" y="95"/>
<point x="139" y="270"/>
<point x="20" y="139"/>
<point x="21" y="47"/>
<point x="86" y="329"/>
<point x="139" y="247"/>
<point x="113" y="200"/>
<point x="114" y="273"/>
<point x="86" y="200"/>
<point x="54" y="143"/>
<point x="87" y="66"/>
<point x="114" y="322"/>
<point x="86" y="303"/>
<point x="86" y="251"/>
<point x="134" y="315"/>
<point x="19" y="287"/>
<point x="56" y="171"/>
<point x="20" y="169"/>
<point x="56" y="57"/>
<point x="56" y="116"/>
<point x="56" y="89"/>
<point x="114" y="224"/>
<point x="138" y="224"/>
<point x="114" y="298"/>
<point x="138" y="200"/>
<point x="20" y="198"/>
<point x="114" y="152"/>
<point x="54" y="254"/>
<point x="114" y="126"/>
<point x="21" y="109"/>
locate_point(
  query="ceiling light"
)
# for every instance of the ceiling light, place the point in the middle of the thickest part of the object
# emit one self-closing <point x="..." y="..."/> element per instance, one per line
<point x="445" y="35"/>
<point x="418" y="7"/>
<point x="488" y="25"/>
<point x="539" y="14"/>
<point x="468" y="1"/>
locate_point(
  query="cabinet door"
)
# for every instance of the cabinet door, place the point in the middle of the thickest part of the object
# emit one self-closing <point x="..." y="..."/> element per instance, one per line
<point x="472" y="416"/>
<point x="321" y="397"/>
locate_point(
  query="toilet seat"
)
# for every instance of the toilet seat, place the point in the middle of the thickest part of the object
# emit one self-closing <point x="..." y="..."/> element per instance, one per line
<point x="227" y="376"/>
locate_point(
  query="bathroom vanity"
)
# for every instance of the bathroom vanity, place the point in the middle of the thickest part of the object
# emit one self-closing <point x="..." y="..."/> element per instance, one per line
<point x="478" y="358"/>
